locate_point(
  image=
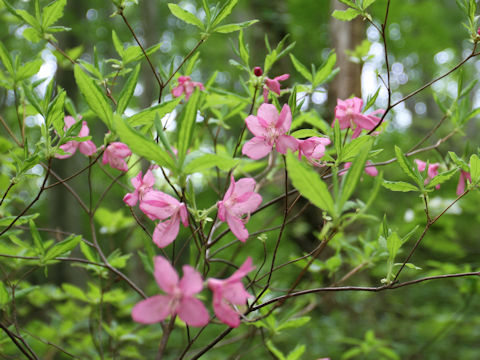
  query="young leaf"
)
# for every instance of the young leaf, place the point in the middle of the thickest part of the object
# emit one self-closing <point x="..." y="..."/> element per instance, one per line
<point x="399" y="186"/>
<point x="224" y="12"/>
<point x="28" y="70"/>
<point x="37" y="239"/>
<point x="95" y="97"/>
<point x="458" y="161"/>
<point x="56" y="114"/>
<point x="209" y="161"/>
<point x="337" y="140"/>
<point x="52" y="13"/>
<point x="225" y="29"/>
<point x="62" y="247"/>
<point x="242" y="48"/>
<point x="441" y="178"/>
<point x="301" y="68"/>
<point x="127" y="91"/>
<point x="475" y="168"/>
<point x="142" y="146"/>
<point x="6" y="59"/>
<point x="185" y="16"/>
<point x="147" y="116"/>
<point x="309" y="184"/>
<point x="346" y="15"/>
<point x="352" y="148"/>
<point x="186" y="126"/>
<point x="326" y="70"/>
<point x="407" y="167"/>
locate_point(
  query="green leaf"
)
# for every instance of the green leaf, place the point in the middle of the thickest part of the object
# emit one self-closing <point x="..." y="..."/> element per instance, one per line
<point x="56" y="114"/>
<point x="75" y="292"/>
<point x="4" y="296"/>
<point x="209" y="161"/>
<point x="475" y="168"/>
<point x="29" y="19"/>
<point x="242" y="48"/>
<point x="186" y="126"/>
<point x="224" y="12"/>
<point x="337" y="139"/>
<point x="127" y="90"/>
<point x="303" y="133"/>
<point x="147" y="116"/>
<point x="371" y="100"/>
<point x="293" y="323"/>
<point x="296" y="353"/>
<point x="88" y="252"/>
<point x="28" y="70"/>
<point x="6" y="59"/>
<point x="407" y="167"/>
<point x="185" y="16"/>
<point x="367" y="3"/>
<point x="95" y="97"/>
<point x="225" y="29"/>
<point x="301" y="68"/>
<point x="276" y="352"/>
<point x="37" y="239"/>
<point x="62" y="247"/>
<point x="350" y="180"/>
<point x="346" y="15"/>
<point x="142" y="146"/>
<point x="352" y="148"/>
<point x="459" y="161"/>
<point x="52" y="13"/>
<point x="32" y="35"/>
<point x="441" y="178"/>
<point x="326" y="70"/>
<point x="399" y="186"/>
<point x="117" y="44"/>
<point x="309" y="184"/>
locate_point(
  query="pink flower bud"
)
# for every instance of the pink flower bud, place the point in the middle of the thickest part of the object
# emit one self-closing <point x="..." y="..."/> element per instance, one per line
<point x="478" y="31"/>
<point x="258" y="71"/>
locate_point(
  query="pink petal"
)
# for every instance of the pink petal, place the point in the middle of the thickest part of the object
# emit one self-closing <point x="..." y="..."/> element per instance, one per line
<point x="268" y="113"/>
<point x="255" y="127"/>
<point x="87" y="148"/>
<point x="365" y="122"/>
<point x="221" y="211"/>
<point x="165" y="275"/>
<point x="183" y="214"/>
<point x="149" y="179"/>
<point x="244" y="185"/>
<point x="235" y="293"/>
<point x="69" y="121"/>
<point x="119" y="149"/>
<point x="225" y="313"/>
<point x="238" y="228"/>
<point x="356" y="132"/>
<point x="246" y="207"/>
<point x="282" y="77"/>
<point x="137" y="180"/>
<point x="371" y="170"/>
<point x="285" y="142"/>
<point x="421" y="164"/>
<point x="192" y="282"/>
<point x="69" y="147"/>
<point x="273" y="85"/>
<point x="165" y="232"/>
<point x="243" y="270"/>
<point x="193" y="312"/>
<point x="256" y="148"/>
<point x="159" y="205"/>
<point x="84" y="131"/>
<point x="177" y="91"/>
<point x="285" y="119"/>
<point x="131" y="199"/>
<point x="151" y="310"/>
<point x="265" y="95"/>
<point x="356" y="103"/>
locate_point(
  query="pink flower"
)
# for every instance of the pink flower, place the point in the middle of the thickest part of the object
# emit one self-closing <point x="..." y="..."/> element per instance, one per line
<point x="230" y="292"/>
<point x="273" y="85"/>
<point x="269" y="129"/>
<point x="158" y="205"/>
<point x="142" y="186"/>
<point x="369" y="169"/>
<point x="431" y="172"/>
<point x="114" y="155"/>
<point x="313" y="148"/>
<point x="186" y="86"/>
<point x="239" y="200"/>
<point x="179" y="299"/>
<point x="70" y="147"/>
<point x="349" y="115"/>
<point x="464" y="176"/>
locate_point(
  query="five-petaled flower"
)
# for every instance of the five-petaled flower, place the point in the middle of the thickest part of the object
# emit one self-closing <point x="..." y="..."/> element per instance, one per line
<point x="312" y="148"/>
<point x="230" y="292"/>
<point x="269" y="128"/>
<point x="158" y="205"/>
<point x="239" y="200"/>
<point x="186" y="86"/>
<point x="273" y="85"/>
<point x="70" y="147"/>
<point x="142" y="186"/>
<point x="431" y="172"/>
<point x="179" y="299"/>
<point x="349" y="115"/>
<point x="115" y="155"/>
<point x="464" y="176"/>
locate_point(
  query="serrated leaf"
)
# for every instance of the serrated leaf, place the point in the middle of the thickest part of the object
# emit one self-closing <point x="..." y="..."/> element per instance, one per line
<point x="62" y="247"/>
<point x="88" y="252"/>
<point x="242" y="48"/>
<point x="118" y="45"/>
<point x="326" y="70"/>
<point x="407" y="166"/>
<point x="28" y="70"/>
<point x="399" y="186"/>
<point x="346" y="15"/>
<point x="29" y="19"/>
<point x="32" y="35"/>
<point x="128" y="90"/>
<point x="459" y="161"/>
<point x="209" y="161"/>
<point x="185" y="16"/>
<point x="52" y="13"/>
<point x="309" y="184"/>
<point x="367" y="3"/>
<point x="37" y="239"/>
<point x="56" y="114"/>
<point x="147" y="116"/>
<point x="371" y="100"/>
<point x="301" y="68"/>
<point x="352" y="148"/>
<point x="141" y="145"/>
<point x="95" y="97"/>
<point x="186" y="126"/>
<point x="441" y="178"/>
<point x="225" y="29"/>
<point x="6" y="59"/>
<point x="475" y="168"/>
<point x="224" y="12"/>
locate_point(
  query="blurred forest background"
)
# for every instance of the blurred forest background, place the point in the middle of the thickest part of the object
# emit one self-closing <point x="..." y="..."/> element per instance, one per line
<point x="434" y="320"/>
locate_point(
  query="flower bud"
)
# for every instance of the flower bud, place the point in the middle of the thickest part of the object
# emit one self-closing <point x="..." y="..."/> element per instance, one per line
<point x="478" y="31"/>
<point x="258" y="71"/>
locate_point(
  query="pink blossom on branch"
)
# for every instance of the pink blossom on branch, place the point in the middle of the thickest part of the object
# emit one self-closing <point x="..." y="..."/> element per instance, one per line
<point x="432" y="170"/>
<point x="464" y="176"/>
<point x="239" y="200"/>
<point x="115" y="155"/>
<point x="158" y="205"/>
<point x="273" y="85"/>
<point x="179" y="299"/>
<point x="349" y="115"/>
<point x="313" y="148"/>
<point x="87" y="148"/>
<point x="186" y="86"/>
<point x="269" y="128"/>
<point x="369" y="168"/>
<point x="229" y="292"/>
<point x="142" y="186"/>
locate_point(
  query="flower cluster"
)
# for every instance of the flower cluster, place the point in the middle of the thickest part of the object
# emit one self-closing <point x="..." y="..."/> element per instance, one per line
<point x="186" y="86"/>
<point x="179" y="298"/>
